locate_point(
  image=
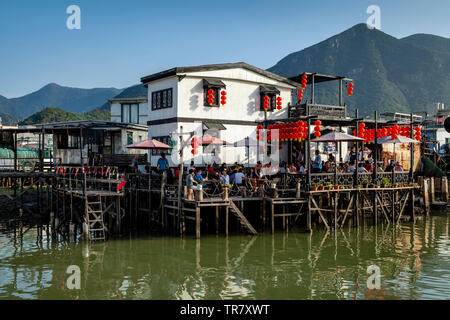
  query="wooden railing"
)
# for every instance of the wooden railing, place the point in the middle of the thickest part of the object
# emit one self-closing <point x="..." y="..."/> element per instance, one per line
<point x="321" y="110"/>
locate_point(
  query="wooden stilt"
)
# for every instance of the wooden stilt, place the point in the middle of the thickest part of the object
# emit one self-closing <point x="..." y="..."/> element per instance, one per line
<point x="197" y="222"/>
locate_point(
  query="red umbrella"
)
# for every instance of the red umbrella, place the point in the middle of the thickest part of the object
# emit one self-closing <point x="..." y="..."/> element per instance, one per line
<point x="149" y="144"/>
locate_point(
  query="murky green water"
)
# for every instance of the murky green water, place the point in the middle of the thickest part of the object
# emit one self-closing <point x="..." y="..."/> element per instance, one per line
<point x="414" y="260"/>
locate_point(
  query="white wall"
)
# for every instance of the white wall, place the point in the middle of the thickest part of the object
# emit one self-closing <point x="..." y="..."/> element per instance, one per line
<point x="116" y="109"/>
<point x="158" y="85"/>
<point x="243" y="97"/>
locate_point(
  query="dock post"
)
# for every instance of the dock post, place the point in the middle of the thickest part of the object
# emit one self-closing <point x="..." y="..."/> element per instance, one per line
<point x="227" y="219"/>
<point x="426" y="195"/>
<point x="308" y="215"/>
<point x="444" y="189"/>
<point x="272" y="215"/>
<point x="217" y="219"/>
<point x="432" y="190"/>
<point x="197" y="222"/>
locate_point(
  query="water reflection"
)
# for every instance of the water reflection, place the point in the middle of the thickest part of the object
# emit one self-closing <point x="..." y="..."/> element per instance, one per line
<point x="414" y="260"/>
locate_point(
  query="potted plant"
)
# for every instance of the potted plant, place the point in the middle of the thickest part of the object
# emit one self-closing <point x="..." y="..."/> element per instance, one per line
<point x="336" y="187"/>
<point x="314" y="186"/>
<point x="365" y="183"/>
<point x="328" y="186"/>
<point x="320" y="186"/>
<point x="385" y="182"/>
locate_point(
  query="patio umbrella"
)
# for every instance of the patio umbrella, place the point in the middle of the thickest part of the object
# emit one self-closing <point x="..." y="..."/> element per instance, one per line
<point x="149" y="144"/>
<point x="399" y="139"/>
<point x="336" y="136"/>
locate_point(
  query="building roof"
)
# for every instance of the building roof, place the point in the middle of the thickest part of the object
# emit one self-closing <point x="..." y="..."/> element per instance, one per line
<point x="128" y="100"/>
<point x="318" y="77"/>
<point x="92" y="124"/>
<point x="212" y="67"/>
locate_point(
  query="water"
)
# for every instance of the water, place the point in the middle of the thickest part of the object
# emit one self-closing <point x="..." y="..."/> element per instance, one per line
<point x="414" y="260"/>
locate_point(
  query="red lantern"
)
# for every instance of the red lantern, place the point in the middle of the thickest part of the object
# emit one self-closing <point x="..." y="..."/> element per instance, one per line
<point x="317" y="128"/>
<point x="194" y="145"/>
<point x="304" y="81"/>
<point x="279" y="103"/>
<point x="258" y="132"/>
<point x="300" y="95"/>
<point x="350" y="89"/>
<point x="210" y="96"/>
<point x="223" y="97"/>
<point x="266" y="103"/>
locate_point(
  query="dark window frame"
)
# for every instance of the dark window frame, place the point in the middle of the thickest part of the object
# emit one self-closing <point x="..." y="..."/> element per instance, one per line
<point x="216" y="96"/>
<point x="128" y="105"/>
<point x="63" y="142"/>
<point x="162" y="99"/>
<point x="272" y="101"/>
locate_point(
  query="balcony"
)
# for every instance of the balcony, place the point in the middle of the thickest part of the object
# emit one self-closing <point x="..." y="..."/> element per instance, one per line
<point x="320" y="110"/>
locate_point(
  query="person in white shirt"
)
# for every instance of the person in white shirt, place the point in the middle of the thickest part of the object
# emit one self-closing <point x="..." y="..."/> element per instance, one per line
<point x="238" y="177"/>
<point x="225" y="178"/>
<point x="361" y="168"/>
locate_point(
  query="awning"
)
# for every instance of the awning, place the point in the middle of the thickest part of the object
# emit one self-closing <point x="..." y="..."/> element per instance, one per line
<point x="268" y="89"/>
<point x="214" y="126"/>
<point x="213" y="83"/>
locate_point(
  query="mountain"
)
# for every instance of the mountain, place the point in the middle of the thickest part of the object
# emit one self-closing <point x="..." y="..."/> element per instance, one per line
<point x="389" y="74"/>
<point x="138" y="90"/>
<point x="49" y="115"/>
<point x="429" y="41"/>
<point x="70" y="99"/>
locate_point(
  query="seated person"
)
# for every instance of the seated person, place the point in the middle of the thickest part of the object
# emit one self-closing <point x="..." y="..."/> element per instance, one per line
<point x="361" y="168"/>
<point x="351" y="167"/>
<point x="301" y="168"/>
<point x="292" y="168"/>
<point x="368" y="166"/>
<point x="284" y="168"/>
<point x="238" y="177"/>
<point x="224" y="177"/>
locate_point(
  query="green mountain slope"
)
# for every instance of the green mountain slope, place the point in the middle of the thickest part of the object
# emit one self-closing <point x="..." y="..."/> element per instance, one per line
<point x="429" y="41"/>
<point x="49" y="115"/>
<point x="389" y="74"/>
<point x="70" y="99"/>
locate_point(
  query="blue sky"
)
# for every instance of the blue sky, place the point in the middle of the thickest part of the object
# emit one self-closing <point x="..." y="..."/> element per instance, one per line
<point x="120" y="41"/>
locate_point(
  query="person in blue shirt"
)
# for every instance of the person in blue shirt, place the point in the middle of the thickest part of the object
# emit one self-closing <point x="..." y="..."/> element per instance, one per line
<point x="317" y="163"/>
<point x="163" y="163"/>
<point x="199" y="178"/>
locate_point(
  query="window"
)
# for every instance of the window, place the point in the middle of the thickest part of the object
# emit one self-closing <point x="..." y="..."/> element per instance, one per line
<point x="162" y="99"/>
<point x="130" y="113"/>
<point x="129" y="138"/>
<point x="272" y="101"/>
<point x="163" y="139"/>
<point x="271" y="92"/>
<point x="215" y="86"/>
<point x="68" y="141"/>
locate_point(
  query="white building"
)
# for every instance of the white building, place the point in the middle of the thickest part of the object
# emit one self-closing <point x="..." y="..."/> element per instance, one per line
<point x="129" y="110"/>
<point x="178" y="100"/>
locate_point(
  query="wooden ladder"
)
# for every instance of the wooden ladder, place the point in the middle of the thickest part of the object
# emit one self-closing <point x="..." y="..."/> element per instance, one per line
<point x="242" y="219"/>
<point x="94" y="217"/>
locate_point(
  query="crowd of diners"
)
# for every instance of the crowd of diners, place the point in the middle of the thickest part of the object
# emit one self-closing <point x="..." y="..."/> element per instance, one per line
<point x="237" y="174"/>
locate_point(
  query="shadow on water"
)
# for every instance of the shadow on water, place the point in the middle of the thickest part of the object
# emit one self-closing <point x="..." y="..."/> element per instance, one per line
<point x="414" y="260"/>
